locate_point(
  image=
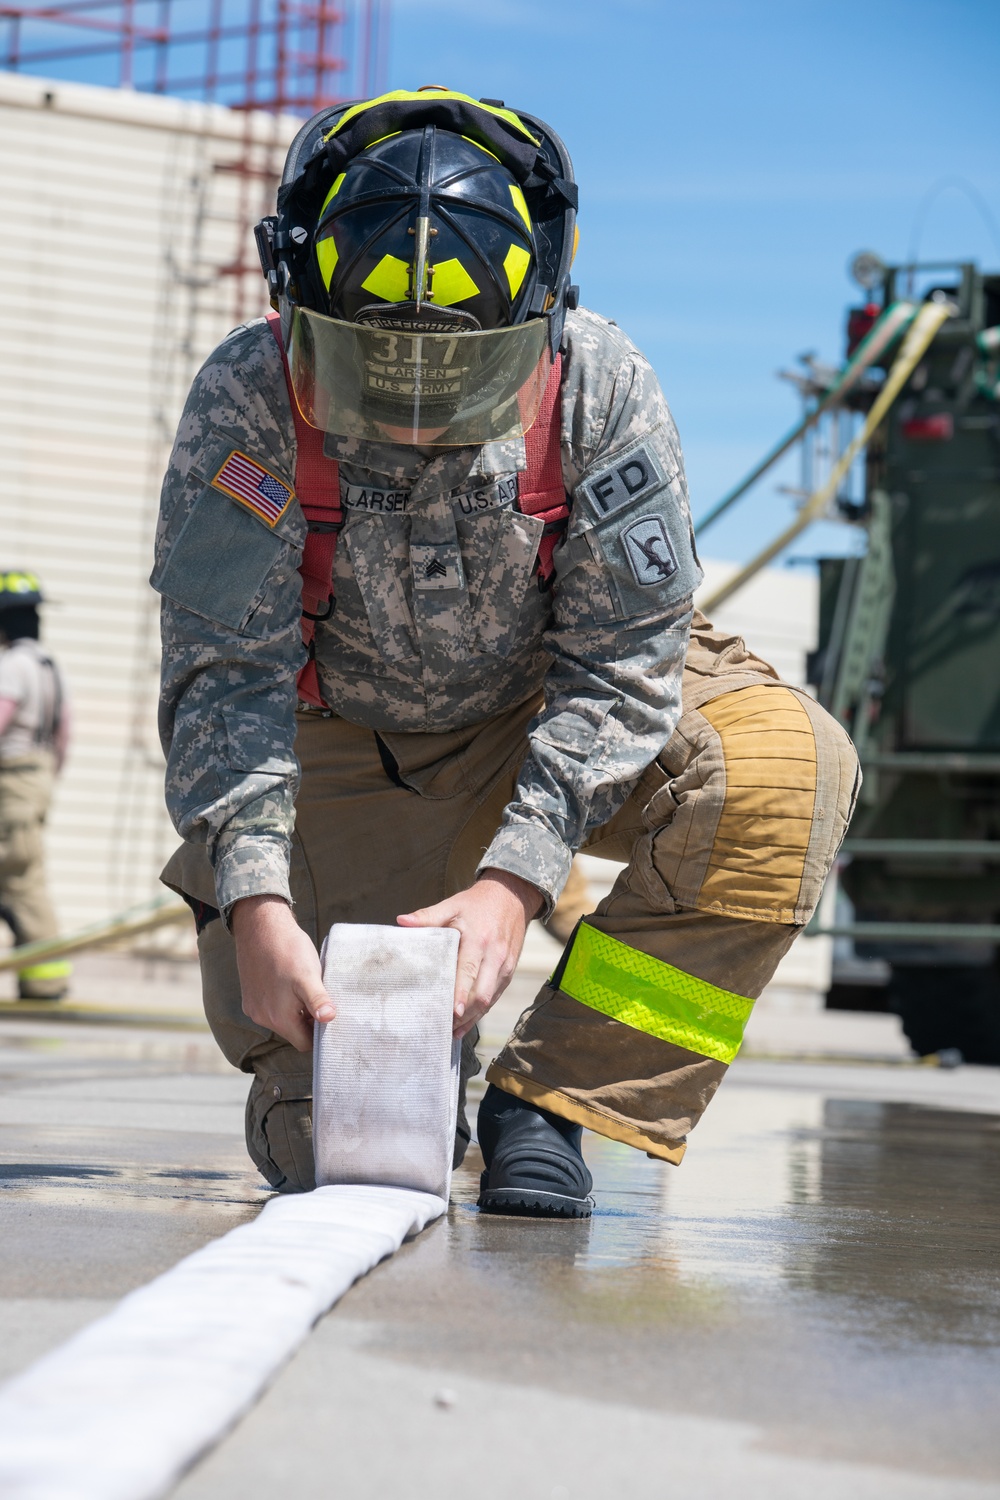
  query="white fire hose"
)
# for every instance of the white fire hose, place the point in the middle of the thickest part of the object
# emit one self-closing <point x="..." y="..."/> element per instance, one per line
<point x="123" y="1408"/>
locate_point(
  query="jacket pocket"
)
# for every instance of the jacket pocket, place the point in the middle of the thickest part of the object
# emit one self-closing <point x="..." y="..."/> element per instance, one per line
<point x="377" y="575"/>
<point x="506" y="581"/>
<point x="209" y="465"/>
<point x="257" y="745"/>
<point x="220" y="565"/>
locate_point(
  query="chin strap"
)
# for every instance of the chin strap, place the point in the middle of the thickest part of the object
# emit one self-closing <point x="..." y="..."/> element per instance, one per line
<point x="542" y="491"/>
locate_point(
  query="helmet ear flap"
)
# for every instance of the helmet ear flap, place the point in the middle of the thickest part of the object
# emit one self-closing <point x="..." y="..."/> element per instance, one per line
<point x="552" y="196"/>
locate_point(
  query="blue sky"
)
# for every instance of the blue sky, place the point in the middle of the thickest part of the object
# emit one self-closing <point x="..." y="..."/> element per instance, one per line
<point x="731" y="157"/>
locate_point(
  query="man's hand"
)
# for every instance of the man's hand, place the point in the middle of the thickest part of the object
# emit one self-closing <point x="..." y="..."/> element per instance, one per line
<point x="492" y="917"/>
<point x="280" y="975"/>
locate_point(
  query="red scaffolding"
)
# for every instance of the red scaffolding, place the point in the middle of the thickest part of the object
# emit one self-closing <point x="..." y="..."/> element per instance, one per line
<point x="275" y="57"/>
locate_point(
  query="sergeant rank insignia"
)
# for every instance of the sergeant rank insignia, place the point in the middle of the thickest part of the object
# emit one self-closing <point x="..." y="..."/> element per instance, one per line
<point x="254" y="486"/>
<point x="436" y="565"/>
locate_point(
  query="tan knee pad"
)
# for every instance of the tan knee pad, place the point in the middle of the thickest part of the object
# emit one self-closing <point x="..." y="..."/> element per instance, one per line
<point x="749" y="825"/>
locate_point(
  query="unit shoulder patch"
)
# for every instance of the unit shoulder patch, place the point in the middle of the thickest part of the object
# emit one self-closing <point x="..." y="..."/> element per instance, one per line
<point x="648" y="549"/>
<point x="246" y="480"/>
<point x="633" y="474"/>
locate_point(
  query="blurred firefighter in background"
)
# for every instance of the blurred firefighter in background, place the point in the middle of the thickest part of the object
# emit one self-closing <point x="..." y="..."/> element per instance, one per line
<point x="34" y="733"/>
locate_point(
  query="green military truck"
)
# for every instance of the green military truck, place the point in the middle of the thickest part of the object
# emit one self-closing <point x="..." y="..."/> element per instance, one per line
<point x="908" y="658"/>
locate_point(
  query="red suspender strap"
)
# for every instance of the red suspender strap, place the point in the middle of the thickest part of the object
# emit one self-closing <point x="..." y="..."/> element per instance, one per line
<point x="317" y="486"/>
<point x="541" y="491"/>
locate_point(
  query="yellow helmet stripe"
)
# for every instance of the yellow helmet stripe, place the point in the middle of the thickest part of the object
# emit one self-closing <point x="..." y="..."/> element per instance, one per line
<point x="327" y="256"/>
<point x="516" y="264"/>
<point x="452" y="283"/>
<point x="520" y="205"/>
<point x="389" y="280"/>
<point x="56" y="968"/>
<point x="405" y="95"/>
<point x="332" y="193"/>
<point x="19" y="583"/>
<point x="479" y="147"/>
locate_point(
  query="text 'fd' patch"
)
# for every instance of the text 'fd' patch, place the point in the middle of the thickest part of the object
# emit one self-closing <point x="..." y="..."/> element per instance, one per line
<point x="628" y="478"/>
<point x="648" y="550"/>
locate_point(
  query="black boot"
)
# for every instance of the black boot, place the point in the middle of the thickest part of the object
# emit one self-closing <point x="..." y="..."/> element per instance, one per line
<point x="534" y="1164"/>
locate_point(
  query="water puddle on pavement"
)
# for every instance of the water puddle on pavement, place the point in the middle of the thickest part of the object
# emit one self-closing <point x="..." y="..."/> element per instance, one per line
<point x="176" y="1190"/>
<point x="881" y="1213"/>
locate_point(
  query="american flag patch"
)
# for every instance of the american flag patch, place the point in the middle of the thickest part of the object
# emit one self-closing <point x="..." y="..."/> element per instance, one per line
<point x="254" y="486"/>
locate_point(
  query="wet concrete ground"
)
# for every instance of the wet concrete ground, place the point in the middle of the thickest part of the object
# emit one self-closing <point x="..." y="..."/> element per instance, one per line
<point x="809" y="1307"/>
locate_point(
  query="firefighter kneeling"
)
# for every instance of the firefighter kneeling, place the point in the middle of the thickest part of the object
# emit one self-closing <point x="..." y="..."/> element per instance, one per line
<point x="426" y="565"/>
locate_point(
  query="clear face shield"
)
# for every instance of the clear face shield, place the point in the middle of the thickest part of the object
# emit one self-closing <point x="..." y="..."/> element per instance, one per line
<point x="427" y="388"/>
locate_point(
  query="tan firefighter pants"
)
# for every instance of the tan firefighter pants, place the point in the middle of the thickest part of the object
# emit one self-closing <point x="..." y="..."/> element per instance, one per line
<point x="728" y="837"/>
<point x="25" y="796"/>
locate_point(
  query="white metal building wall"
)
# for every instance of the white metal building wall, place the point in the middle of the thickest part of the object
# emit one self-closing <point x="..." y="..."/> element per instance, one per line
<point x="119" y="209"/>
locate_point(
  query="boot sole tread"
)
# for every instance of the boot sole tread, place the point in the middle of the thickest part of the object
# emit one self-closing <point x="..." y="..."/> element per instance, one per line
<point x="523" y="1202"/>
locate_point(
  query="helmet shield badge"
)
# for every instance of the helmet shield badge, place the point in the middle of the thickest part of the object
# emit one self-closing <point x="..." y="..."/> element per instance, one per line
<point x="447" y="388"/>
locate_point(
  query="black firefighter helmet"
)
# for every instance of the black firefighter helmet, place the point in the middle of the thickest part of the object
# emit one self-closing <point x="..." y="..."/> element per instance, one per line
<point x="19" y="590"/>
<point x="429" y="215"/>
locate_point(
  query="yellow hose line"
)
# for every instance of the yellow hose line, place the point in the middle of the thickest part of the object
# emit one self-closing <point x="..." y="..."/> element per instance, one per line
<point x="875" y="342"/>
<point x="922" y="330"/>
<point x="161" y="912"/>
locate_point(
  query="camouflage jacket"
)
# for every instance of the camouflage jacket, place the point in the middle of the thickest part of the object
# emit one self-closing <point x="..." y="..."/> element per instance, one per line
<point x="439" y="621"/>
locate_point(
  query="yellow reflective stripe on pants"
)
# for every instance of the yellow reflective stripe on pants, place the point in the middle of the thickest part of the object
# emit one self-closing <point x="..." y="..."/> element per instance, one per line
<point x="57" y="969"/>
<point x="652" y="996"/>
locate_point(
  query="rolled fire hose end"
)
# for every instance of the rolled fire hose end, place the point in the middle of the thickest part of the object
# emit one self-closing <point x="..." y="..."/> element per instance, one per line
<point x="385" y="1070"/>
